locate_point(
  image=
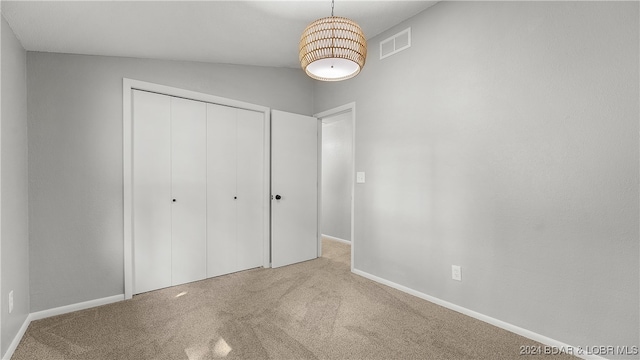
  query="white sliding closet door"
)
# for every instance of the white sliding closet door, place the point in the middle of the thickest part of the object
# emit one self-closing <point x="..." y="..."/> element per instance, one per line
<point x="235" y="195"/>
<point x="189" y="188"/>
<point x="151" y="191"/>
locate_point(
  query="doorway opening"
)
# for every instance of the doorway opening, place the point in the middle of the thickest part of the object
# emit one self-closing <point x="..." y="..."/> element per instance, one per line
<point x="337" y="176"/>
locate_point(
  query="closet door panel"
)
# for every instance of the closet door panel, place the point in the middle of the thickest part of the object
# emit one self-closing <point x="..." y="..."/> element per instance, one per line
<point x="151" y="191"/>
<point x="189" y="186"/>
<point x="221" y="190"/>
<point x="250" y="182"/>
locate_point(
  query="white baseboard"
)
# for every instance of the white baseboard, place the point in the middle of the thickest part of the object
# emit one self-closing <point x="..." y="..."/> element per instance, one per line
<point x="495" y="322"/>
<point x="74" y="307"/>
<point x="328" y="237"/>
<point x="53" y="312"/>
<point x="16" y="340"/>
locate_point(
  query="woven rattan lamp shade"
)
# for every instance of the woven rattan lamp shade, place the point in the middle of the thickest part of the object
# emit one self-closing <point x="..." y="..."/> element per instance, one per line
<point x="332" y="49"/>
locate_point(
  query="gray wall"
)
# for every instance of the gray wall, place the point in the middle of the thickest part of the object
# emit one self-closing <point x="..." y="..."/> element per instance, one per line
<point x="14" y="214"/>
<point x="336" y="176"/>
<point x="505" y="140"/>
<point x="75" y="158"/>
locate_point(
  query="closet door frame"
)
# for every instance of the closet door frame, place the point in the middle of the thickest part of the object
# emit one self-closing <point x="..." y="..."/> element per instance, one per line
<point x="128" y="85"/>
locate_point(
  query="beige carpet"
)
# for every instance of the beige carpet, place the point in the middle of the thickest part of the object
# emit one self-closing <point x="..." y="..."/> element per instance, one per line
<point x="313" y="310"/>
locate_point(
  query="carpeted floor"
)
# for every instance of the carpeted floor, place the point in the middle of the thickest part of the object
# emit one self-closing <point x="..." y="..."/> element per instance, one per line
<point x="313" y="310"/>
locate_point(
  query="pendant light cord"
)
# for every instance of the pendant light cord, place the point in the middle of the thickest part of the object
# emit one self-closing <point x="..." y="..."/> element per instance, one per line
<point x="333" y="35"/>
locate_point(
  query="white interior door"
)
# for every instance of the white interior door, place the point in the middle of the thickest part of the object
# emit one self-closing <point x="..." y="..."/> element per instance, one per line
<point x="294" y="187"/>
<point x="221" y="190"/>
<point x="189" y="186"/>
<point x="151" y="191"/>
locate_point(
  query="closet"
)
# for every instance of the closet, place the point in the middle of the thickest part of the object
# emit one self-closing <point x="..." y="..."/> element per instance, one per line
<point x="198" y="188"/>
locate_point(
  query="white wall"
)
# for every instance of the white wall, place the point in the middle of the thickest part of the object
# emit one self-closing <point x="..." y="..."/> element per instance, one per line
<point x="505" y="140"/>
<point x="14" y="214"/>
<point x="75" y="158"/>
<point x="336" y="176"/>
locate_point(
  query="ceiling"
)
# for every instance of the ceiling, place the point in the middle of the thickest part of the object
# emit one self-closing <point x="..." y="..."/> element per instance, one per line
<point x="263" y="33"/>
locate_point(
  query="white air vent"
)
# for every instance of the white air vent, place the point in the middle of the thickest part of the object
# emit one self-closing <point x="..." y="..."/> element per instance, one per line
<point x="396" y="43"/>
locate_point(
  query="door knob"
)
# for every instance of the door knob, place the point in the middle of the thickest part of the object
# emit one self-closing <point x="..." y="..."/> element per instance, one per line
<point x="174" y="200"/>
<point x="278" y="197"/>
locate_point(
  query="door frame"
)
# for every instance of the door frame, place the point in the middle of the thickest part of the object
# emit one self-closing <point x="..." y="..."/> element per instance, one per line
<point x="350" y="107"/>
<point x="128" y="85"/>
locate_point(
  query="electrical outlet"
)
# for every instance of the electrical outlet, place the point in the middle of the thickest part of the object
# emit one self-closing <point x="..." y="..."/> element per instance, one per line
<point x="10" y="301"/>
<point x="456" y="272"/>
<point x="360" y="177"/>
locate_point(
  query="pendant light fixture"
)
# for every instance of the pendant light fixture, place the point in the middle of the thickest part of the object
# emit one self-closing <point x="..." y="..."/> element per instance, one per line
<point x="332" y="48"/>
